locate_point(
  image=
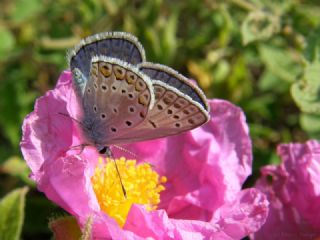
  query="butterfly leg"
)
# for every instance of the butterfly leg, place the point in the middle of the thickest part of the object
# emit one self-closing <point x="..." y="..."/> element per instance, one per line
<point x="81" y="147"/>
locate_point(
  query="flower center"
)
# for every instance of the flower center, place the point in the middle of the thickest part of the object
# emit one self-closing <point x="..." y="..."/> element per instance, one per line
<point x="142" y="184"/>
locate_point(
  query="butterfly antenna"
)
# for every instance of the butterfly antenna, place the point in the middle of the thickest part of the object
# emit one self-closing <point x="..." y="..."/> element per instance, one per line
<point x="110" y="154"/>
<point x="126" y="151"/>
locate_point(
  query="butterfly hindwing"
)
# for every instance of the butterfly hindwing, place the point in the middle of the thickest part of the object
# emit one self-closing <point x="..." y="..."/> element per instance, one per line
<point x="174" y="79"/>
<point x="173" y="112"/>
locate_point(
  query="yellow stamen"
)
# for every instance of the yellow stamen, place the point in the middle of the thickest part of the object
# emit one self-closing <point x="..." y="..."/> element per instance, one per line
<point x="142" y="184"/>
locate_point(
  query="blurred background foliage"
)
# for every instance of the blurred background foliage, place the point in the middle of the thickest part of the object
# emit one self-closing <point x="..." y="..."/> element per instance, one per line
<point x="262" y="55"/>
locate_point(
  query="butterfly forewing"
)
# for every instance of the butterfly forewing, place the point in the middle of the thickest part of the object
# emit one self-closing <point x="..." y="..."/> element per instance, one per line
<point x="117" y="98"/>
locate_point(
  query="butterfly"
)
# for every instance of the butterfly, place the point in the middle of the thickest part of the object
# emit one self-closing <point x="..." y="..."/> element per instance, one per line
<point x="125" y="99"/>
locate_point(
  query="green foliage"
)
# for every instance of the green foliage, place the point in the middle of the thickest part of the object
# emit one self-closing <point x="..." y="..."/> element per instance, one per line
<point x="259" y="25"/>
<point x="7" y="42"/>
<point x="12" y="214"/>
<point x="17" y="167"/>
<point x="306" y="92"/>
<point x="262" y="55"/>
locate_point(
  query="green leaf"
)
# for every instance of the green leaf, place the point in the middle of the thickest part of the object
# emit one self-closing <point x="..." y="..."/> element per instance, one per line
<point x="12" y="214"/>
<point x="7" y="42"/>
<point x="270" y="82"/>
<point x="169" y="40"/>
<point x="312" y="51"/>
<point x="259" y="25"/>
<point x="280" y="63"/>
<point x="306" y="92"/>
<point x="25" y="9"/>
<point x="15" y="166"/>
<point x="311" y="124"/>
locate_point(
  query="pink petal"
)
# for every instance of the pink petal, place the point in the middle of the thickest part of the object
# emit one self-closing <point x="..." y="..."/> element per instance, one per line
<point x="46" y="133"/>
<point x="242" y="216"/>
<point x="293" y="193"/>
<point x="157" y="225"/>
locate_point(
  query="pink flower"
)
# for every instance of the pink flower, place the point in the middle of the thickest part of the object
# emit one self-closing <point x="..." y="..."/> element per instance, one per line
<point x="205" y="169"/>
<point x="293" y="189"/>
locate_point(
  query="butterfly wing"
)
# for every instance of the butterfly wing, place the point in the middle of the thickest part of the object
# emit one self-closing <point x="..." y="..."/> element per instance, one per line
<point x="120" y="45"/>
<point x="117" y="98"/>
<point x="179" y="106"/>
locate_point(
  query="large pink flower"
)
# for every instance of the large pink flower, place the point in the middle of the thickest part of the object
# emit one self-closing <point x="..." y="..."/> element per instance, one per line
<point x="293" y="189"/>
<point x="205" y="169"/>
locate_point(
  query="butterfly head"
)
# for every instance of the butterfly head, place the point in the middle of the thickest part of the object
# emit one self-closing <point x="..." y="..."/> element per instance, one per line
<point x="104" y="150"/>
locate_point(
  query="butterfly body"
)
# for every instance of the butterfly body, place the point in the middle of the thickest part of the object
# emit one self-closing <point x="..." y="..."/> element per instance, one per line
<point x="125" y="99"/>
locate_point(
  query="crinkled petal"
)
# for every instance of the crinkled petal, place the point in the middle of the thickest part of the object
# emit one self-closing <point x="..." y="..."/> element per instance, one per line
<point x="157" y="225"/>
<point x="71" y="188"/>
<point x="242" y="216"/>
<point x="293" y="191"/>
<point x="46" y="133"/>
<point x="234" y="220"/>
<point x="49" y="132"/>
